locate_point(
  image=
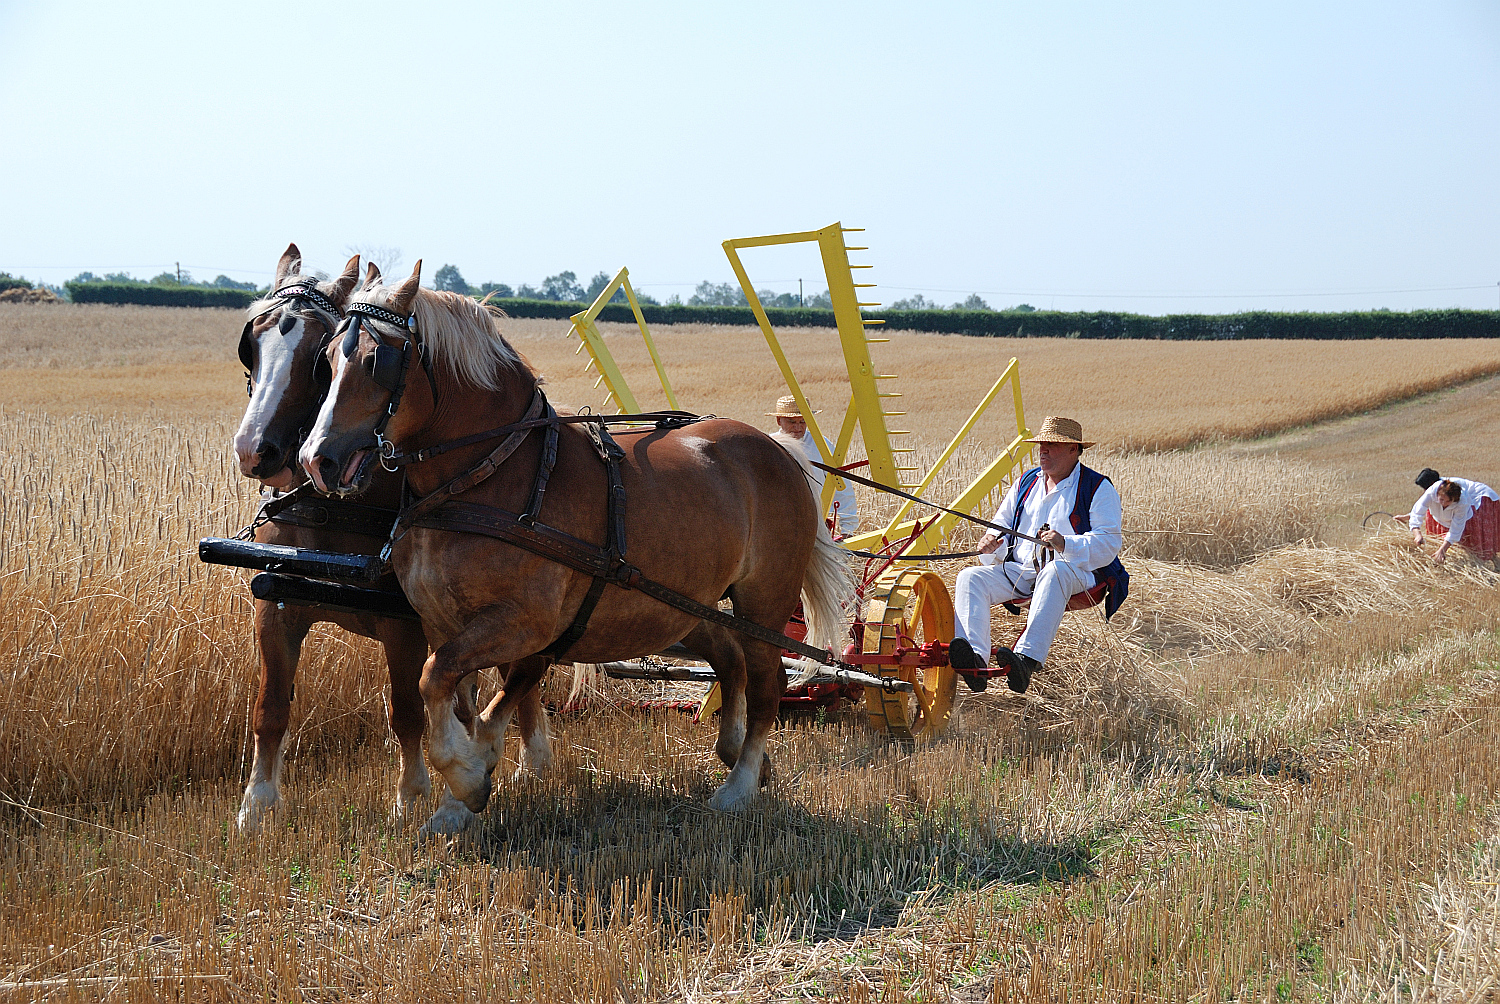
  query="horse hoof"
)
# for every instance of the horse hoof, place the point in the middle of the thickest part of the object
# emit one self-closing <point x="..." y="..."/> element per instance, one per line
<point x="725" y="800"/>
<point x="254" y="808"/>
<point x="451" y="817"/>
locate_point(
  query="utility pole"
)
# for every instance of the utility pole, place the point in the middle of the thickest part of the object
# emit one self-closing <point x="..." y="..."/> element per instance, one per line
<point x="801" y="304"/>
<point x="179" y="272"/>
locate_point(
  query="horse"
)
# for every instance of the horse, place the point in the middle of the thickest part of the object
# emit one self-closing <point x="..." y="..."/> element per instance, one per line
<point x="716" y="510"/>
<point x="279" y="347"/>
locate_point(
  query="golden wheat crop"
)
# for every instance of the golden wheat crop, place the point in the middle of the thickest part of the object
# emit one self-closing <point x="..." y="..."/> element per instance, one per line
<point x="1128" y="395"/>
<point x="1272" y="776"/>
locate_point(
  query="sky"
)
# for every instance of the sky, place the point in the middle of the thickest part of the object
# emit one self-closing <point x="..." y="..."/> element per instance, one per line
<point x="1150" y="157"/>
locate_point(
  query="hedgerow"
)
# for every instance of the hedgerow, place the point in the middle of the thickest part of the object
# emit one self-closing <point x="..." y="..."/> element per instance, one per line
<point x="159" y="296"/>
<point x="1062" y="324"/>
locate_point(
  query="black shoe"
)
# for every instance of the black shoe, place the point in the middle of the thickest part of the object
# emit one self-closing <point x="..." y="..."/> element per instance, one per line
<point x="961" y="656"/>
<point x="1018" y="677"/>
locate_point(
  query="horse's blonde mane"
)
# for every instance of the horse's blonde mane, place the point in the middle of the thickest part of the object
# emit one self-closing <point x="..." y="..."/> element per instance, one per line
<point x="461" y="334"/>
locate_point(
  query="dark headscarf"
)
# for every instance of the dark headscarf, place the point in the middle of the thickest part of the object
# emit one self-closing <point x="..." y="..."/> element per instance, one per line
<point x="1427" y="478"/>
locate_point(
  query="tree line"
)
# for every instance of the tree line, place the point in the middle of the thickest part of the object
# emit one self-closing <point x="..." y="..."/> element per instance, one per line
<point x="564" y="287"/>
<point x="178" y="278"/>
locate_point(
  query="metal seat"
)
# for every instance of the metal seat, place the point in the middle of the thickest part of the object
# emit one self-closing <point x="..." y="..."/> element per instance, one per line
<point x="1090" y="597"/>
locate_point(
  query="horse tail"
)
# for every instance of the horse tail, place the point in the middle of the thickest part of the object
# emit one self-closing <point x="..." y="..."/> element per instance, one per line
<point x="828" y="585"/>
<point x="827" y="592"/>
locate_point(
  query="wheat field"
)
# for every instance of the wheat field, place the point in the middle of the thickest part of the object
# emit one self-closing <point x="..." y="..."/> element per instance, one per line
<point x="1272" y="777"/>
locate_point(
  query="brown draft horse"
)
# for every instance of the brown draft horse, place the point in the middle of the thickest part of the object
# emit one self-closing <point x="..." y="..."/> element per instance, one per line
<point x="279" y="350"/>
<point x="715" y="509"/>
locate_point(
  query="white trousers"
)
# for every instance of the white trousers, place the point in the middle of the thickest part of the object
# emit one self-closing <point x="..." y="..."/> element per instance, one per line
<point x="982" y="586"/>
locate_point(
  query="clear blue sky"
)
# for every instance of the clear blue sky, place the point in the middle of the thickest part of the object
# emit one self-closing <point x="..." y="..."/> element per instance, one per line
<point x="1070" y="155"/>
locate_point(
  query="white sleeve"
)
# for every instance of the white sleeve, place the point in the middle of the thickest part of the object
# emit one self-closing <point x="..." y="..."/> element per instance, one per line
<point x="1419" y="511"/>
<point x="1004" y="516"/>
<point x="848" y="507"/>
<point x="1101" y="544"/>
<point x="1460" y="520"/>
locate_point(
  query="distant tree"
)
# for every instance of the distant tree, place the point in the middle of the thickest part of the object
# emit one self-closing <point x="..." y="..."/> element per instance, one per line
<point x="526" y="292"/>
<point x="974" y="302"/>
<point x="449" y="278"/>
<point x="673" y="301"/>
<point x="8" y="281"/>
<point x="563" y="286"/>
<point x="165" y="279"/>
<point x="85" y="277"/>
<point x="822" y="300"/>
<point x="1022" y="308"/>
<point x="224" y="282"/>
<point x="496" y="289"/>
<point x="596" y="286"/>
<point x="918" y="302"/>
<point x="387" y="259"/>
<point x="712" y="294"/>
<point x="121" y="277"/>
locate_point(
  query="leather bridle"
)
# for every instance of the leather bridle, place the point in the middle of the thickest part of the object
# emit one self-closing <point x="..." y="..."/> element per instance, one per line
<point x="297" y="289"/>
<point x="388" y="366"/>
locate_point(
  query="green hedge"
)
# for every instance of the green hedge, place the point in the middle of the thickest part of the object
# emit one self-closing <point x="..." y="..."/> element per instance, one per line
<point x="794" y="317"/>
<point x="1060" y="324"/>
<point x="159" y="296"/>
<point x="1202" y="327"/>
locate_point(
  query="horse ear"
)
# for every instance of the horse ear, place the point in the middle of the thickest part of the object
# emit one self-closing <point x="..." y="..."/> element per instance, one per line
<point x="344" y="284"/>
<point x="290" y="264"/>
<point x="406" y="293"/>
<point x="372" y="276"/>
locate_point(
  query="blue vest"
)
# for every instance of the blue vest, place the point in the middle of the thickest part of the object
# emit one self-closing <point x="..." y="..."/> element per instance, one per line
<point x="1116" y="580"/>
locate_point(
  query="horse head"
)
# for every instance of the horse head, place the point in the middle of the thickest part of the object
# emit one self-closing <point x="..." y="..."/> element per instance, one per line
<point x="397" y="346"/>
<point x="280" y="344"/>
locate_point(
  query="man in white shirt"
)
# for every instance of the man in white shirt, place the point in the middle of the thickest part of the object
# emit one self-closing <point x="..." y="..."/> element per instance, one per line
<point x="790" y="421"/>
<point x="1088" y="542"/>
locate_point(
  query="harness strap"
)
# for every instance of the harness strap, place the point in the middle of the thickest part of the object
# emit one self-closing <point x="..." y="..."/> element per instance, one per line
<point x="339" y="515"/>
<point x="614" y="527"/>
<point x="473" y="476"/>
<point x="1023" y="489"/>
<point x="661" y="420"/>
<point x="580" y="624"/>
<point x="275" y="506"/>
<point x="543" y="473"/>
<point x="565" y="549"/>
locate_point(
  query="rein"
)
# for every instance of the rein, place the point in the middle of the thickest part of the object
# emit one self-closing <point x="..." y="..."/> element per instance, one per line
<point x="662" y="420"/>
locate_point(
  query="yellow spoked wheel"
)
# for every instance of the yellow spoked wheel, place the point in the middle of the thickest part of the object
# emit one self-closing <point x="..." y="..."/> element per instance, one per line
<point x="908" y="608"/>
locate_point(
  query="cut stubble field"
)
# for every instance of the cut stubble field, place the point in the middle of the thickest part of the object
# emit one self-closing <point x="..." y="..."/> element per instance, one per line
<point x="1272" y="777"/>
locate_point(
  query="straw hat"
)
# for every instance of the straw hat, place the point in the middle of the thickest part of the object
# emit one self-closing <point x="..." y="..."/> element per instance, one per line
<point x="786" y="407"/>
<point x="1060" y="430"/>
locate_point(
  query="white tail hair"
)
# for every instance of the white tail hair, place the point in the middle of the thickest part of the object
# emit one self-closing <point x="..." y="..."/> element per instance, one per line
<point x="828" y="586"/>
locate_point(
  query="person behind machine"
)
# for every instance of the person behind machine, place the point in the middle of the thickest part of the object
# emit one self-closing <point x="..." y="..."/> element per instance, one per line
<point x="1060" y="492"/>
<point x="1462" y="512"/>
<point x="792" y="424"/>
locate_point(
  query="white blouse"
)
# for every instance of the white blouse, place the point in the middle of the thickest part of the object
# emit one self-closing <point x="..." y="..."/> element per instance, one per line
<point x="1455" y="516"/>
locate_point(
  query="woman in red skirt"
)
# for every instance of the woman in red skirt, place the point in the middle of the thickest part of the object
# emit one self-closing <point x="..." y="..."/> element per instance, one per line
<point x="1462" y="512"/>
